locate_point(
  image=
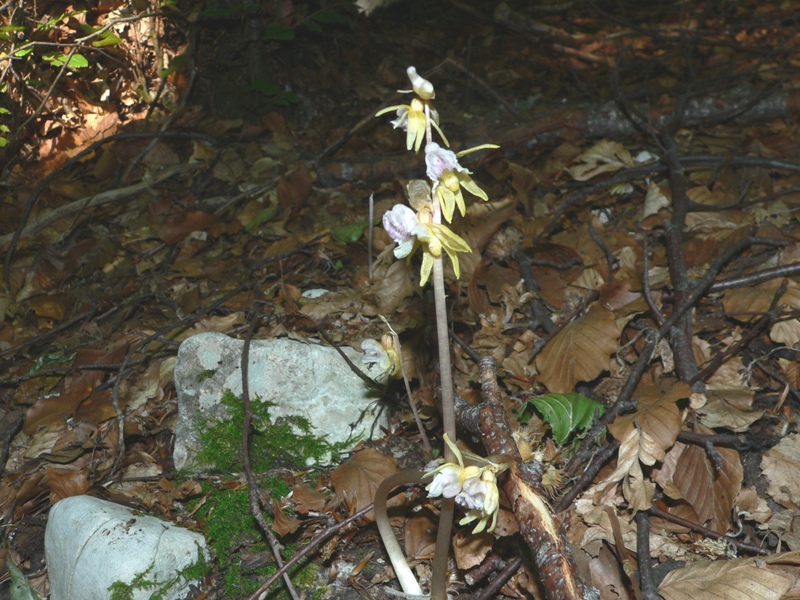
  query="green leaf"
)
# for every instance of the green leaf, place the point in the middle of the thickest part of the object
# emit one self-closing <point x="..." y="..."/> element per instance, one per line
<point x="107" y="38"/>
<point x="178" y="63"/>
<point x="58" y="60"/>
<point x="349" y="233"/>
<point x="49" y="359"/>
<point x="21" y="588"/>
<point x="315" y="27"/>
<point x="279" y="32"/>
<point x="565" y="413"/>
<point x="267" y="88"/>
<point x="23" y="52"/>
<point x="3" y="142"/>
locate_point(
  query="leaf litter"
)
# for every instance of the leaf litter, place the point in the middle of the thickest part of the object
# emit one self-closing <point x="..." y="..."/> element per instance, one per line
<point x="114" y="286"/>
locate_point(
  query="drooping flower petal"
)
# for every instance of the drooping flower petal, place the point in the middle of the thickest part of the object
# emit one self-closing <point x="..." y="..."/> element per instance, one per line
<point x="400" y="222"/>
<point x="375" y="356"/>
<point x="437" y="160"/>
<point x="446" y="482"/>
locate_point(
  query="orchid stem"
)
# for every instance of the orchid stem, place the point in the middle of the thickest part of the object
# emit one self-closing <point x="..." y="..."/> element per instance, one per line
<point x="439" y="569"/>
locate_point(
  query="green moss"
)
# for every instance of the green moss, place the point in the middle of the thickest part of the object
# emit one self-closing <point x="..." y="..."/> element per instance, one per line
<point x="125" y="591"/>
<point x="287" y="442"/>
<point x="225" y="513"/>
<point x="207" y="374"/>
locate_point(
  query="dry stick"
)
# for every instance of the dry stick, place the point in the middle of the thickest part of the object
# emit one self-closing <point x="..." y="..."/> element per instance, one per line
<point x="321" y="538"/>
<point x="709" y="533"/>
<point x="539" y="526"/>
<point x="659" y="318"/>
<point x="792" y="270"/>
<point x="50" y="333"/>
<point x="647" y="583"/>
<point x="600" y="458"/>
<point x="254" y="492"/>
<point x="493" y="589"/>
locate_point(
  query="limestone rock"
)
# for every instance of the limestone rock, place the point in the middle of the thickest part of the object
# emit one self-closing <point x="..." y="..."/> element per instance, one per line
<point x="304" y="379"/>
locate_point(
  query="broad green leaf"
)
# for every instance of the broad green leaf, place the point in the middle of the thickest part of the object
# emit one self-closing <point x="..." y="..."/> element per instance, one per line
<point x="279" y="32"/>
<point x="315" y="27"/>
<point x="108" y="38"/>
<point x="21" y="588"/>
<point x="58" y="60"/>
<point x="349" y="233"/>
<point x="23" y="52"/>
<point x="565" y="413"/>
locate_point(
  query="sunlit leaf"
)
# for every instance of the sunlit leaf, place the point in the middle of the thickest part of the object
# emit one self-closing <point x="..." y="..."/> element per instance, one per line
<point x="565" y="413"/>
<point x="76" y="61"/>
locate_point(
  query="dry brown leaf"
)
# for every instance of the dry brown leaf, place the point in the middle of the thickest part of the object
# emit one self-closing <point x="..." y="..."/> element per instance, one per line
<point x="781" y="468"/>
<point x="282" y="524"/>
<point x="306" y="499"/>
<point x="729" y="407"/>
<point x="738" y="579"/>
<point x="76" y="390"/>
<point x="67" y="480"/>
<point x="470" y="550"/>
<point x="357" y="479"/>
<point x="419" y="535"/>
<point x="178" y="226"/>
<point x="757" y="300"/>
<point x="711" y="493"/>
<point x="608" y="576"/>
<point x="293" y="189"/>
<point x="580" y="351"/>
<point x="603" y="157"/>
<point x="657" y="416"/>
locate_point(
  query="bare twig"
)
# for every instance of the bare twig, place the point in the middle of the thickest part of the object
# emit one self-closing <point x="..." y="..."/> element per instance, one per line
<point x="254" y="491"/>
<point x="647" y="584"/>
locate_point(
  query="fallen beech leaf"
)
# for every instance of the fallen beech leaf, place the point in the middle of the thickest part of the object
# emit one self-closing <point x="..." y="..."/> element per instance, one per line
<point x="306" y="499"/>
<point x="178" y="226"/>
<point x="580" y="351"/>
<point x="66" y="481"/>
<point x="603" y="157"/>
<point x="781" y="468"/>
<point x="738" y="579"/>
<point x="282" y="524"/>
<point x="470" y="550"/>
<point x="356" y="480"/>
<point x="656" y="415"/>
<point x="419" y="535"/>
<point x="711" y="491"/>
<point x="729" y="407"/>
<point x="293" y="189"/>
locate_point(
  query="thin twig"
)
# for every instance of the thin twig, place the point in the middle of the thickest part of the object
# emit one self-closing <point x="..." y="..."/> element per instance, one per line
<point x="647" y="583"/>
<point x="254" y="492"/>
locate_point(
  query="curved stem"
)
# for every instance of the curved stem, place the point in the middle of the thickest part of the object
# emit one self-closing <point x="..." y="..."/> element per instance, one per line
<point x="406" y="578"/>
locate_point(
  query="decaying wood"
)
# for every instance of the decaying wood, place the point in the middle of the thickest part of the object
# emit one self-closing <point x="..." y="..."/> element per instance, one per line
<point x="540" y="527"/>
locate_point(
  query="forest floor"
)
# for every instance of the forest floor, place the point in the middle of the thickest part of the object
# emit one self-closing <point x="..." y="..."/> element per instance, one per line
<point x="172" y="168"/>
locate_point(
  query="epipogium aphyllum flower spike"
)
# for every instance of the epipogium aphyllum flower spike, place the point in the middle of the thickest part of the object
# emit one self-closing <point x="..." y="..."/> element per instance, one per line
<point x="411" y="117"/>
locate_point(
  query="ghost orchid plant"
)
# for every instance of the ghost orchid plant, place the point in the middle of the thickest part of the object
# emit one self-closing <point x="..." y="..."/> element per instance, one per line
<point x="420" y="227"/>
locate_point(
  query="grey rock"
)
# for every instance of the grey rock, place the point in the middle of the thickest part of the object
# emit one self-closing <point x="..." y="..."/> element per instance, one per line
<point x="302" y="379"/>
<point x="91" y="544"/>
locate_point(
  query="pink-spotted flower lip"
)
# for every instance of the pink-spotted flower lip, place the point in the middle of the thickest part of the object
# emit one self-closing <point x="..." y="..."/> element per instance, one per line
<point x="400" y="223"/>
<point x="375" y="355"/>
<point x="439" y="159"/>
<point x="446" y="482"/>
